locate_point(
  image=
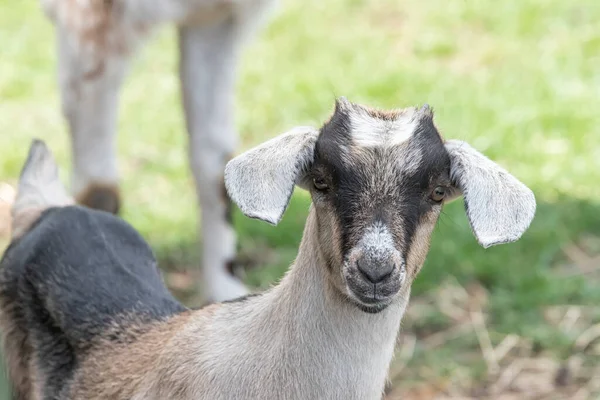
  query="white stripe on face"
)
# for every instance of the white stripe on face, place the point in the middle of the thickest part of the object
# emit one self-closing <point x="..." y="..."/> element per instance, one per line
<point x="377" y="242"/>
<point x="370" y="131"/>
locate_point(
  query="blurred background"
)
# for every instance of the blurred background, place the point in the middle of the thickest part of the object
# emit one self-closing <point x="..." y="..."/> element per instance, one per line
<point x="518" y="79"/>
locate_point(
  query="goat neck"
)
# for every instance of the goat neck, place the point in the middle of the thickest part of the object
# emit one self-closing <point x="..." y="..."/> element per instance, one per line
<point x="336" y="341"/>
<point x="300" y="340"/>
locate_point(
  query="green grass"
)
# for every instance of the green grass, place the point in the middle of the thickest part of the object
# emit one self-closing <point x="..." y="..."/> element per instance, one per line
<point x="518" y="79"/>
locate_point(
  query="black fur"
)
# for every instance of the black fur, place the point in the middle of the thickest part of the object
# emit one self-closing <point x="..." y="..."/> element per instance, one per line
<point x="434" y="170"/>
<point x="76" y="275"/>
<point x="358" y="200"/>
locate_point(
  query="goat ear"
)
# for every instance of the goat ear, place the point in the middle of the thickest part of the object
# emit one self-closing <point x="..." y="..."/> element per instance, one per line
<point x="499" y="207"/>
<point x="261" y="180"/>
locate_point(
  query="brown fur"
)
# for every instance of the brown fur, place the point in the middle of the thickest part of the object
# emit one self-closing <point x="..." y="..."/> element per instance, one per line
<point x="391" y="115"/>
<point x="97" y="26"/>
<point x="23" y="220"/>
<point x="91" y="19"/>
<point x="321" y="313"/>
<point x="330" y="238"/>
<point x="7" y="198"/>
<point x="420" y="245"/>
<point x="94" y="22"/>
<point x="101" y="197"/>
<point x="117" y="372"/>
<point x="17" y="352"/>
<point x="386" y="115"/>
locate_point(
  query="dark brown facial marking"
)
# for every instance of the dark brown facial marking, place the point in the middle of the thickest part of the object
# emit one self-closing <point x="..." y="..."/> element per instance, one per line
<point x="101" y="197"/>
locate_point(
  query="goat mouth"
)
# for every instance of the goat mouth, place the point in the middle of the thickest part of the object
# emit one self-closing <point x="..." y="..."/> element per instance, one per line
<point x="371" y="305"/>
<point x="371" y="308"/>
<point x="370" y="297"/>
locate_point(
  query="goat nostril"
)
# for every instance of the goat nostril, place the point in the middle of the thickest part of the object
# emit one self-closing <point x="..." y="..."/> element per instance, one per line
<point x="374" y="272"/>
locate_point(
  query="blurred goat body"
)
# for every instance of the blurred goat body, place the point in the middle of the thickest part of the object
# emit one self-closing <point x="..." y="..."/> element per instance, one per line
<point x="96" y="40"/>
<point x="85" y="314"/>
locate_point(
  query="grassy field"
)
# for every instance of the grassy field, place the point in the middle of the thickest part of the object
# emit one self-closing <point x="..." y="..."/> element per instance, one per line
<point x="518" y="79"/>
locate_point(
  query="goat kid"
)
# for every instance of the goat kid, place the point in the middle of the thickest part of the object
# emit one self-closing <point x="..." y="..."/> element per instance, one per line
<point x="96" y="40"/>
<point x="85" y="314"/>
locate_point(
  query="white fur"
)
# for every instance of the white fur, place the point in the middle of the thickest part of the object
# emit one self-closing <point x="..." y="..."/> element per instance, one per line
<point x="91" y="108"/>
<point x="208" y="57"/>
<point x="39" y="188"/>
<point x="96" y="41"/>
<point x="368" y="131"/>
<point x="302" y="339"/>
<point x="261" y="180"/>
<point x="298" y="341"/>
<point x="411" y="163"/>
<point x="499" y="207"/>
<point x="377" y="241"/>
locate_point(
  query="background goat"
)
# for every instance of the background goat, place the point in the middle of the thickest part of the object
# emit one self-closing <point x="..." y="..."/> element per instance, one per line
<point x="96" y="39"/>
<point x="86" y="316"/>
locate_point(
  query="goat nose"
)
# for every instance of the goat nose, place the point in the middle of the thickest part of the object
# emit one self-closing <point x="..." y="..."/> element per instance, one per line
<point x="375" y="272"/>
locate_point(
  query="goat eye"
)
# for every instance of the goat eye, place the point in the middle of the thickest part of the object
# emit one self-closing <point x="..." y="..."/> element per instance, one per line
<point x="319" y="184"/>
<point x="438" y="194"/>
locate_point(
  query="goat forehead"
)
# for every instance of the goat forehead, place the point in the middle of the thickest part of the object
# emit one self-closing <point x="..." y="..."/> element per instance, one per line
<point x="375" y="151"/>
<point x="353" y="127"/>
<point x="370" y="128"/>
<point x="383" y="167"/>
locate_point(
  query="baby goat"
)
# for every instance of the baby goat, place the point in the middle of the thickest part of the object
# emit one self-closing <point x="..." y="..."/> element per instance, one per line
<point x="85" y="314"/>
<point x="96" y="40"/>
